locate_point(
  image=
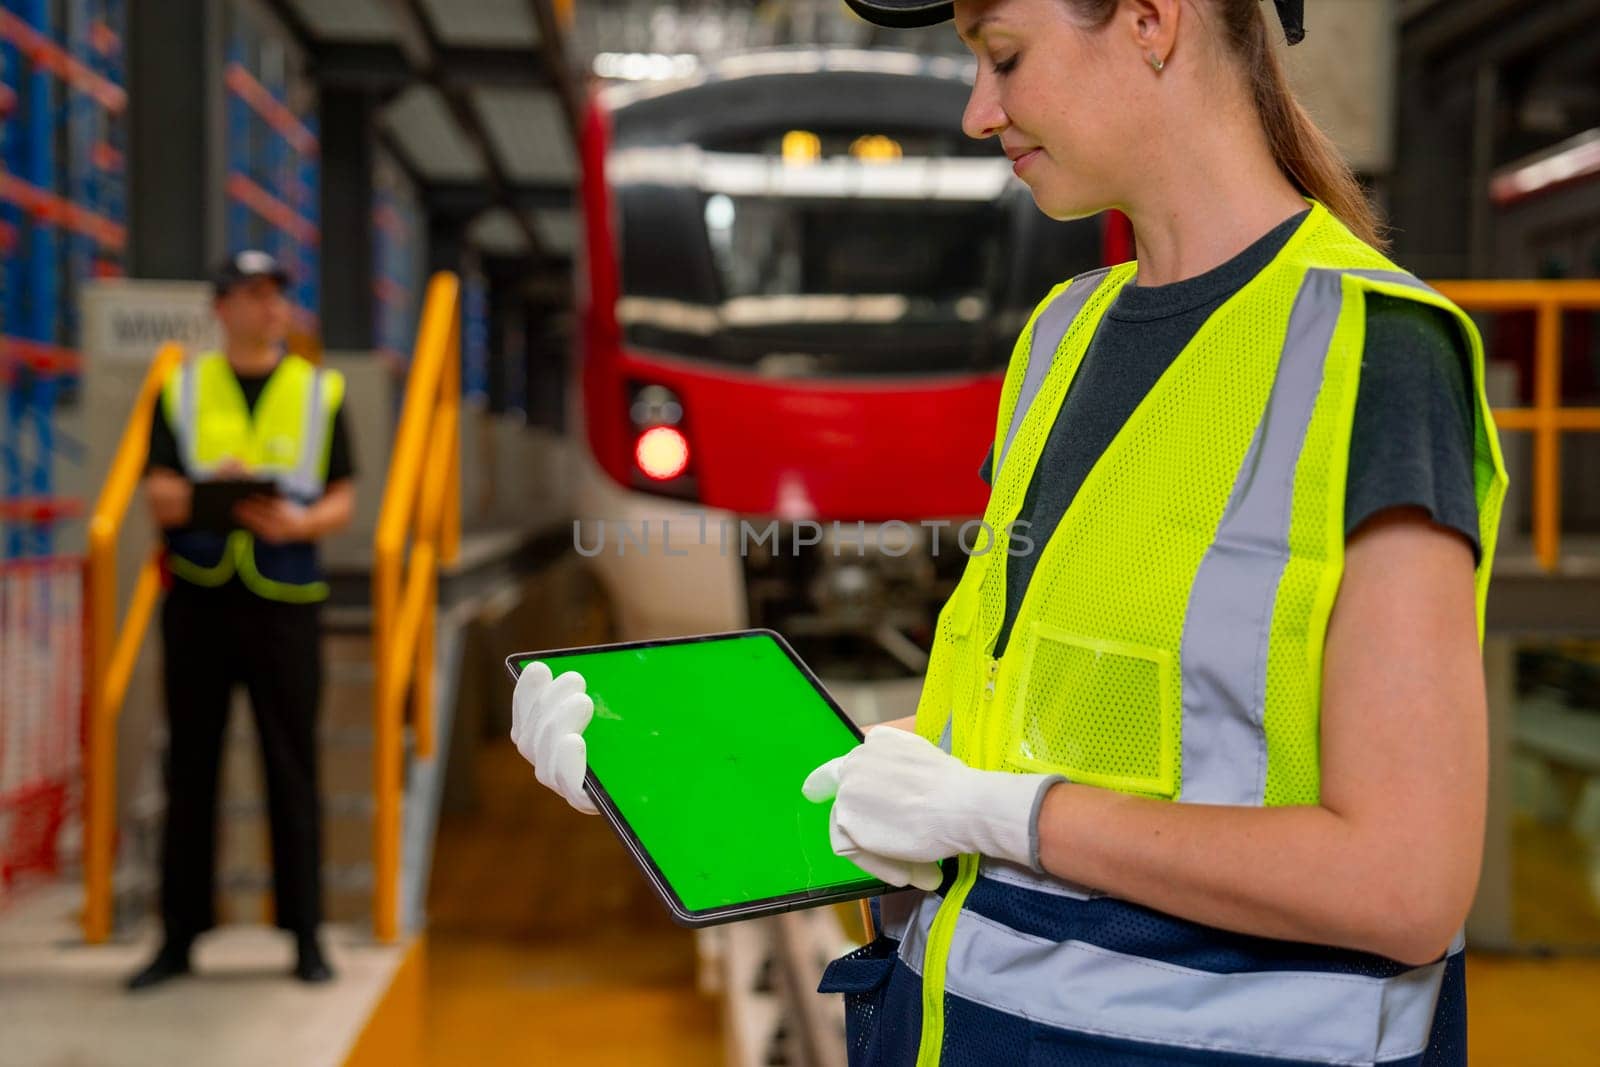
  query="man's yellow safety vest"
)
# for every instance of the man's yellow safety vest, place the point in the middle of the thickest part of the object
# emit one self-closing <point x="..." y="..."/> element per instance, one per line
<point x="287" y="437"/>
<point x="1170" y="645"/>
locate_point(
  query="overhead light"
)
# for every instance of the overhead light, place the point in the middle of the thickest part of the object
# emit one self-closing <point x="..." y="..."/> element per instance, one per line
<point x="1569" y="161"/>
<point x="644" y="66"/>
<point x="748" y="174"/>
<point x="875" y="148"/>
<point x="801" y="147"/>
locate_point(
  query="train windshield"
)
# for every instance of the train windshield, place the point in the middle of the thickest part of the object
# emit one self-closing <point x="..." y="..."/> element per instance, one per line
<point x="813" y="286"/>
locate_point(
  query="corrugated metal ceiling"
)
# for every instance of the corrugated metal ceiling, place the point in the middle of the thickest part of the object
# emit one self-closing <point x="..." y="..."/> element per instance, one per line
<point x="497" y="233"/>
<point x="421" y="121"/>
<point x="347" y="20"/>
<point x="529" y="133"/>
<point x="557" y="230"/>
<point x="484" y="23"/>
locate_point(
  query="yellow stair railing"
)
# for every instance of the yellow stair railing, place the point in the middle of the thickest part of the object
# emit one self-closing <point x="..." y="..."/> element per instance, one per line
<point x="114" y="650"/>
<point x="1547" y="419"/>
<point x="422" y="504"/>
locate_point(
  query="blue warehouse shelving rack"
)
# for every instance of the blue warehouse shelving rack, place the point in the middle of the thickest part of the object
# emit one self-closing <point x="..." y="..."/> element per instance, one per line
<point x="272" y="160"/>
<point x="63" y="211"/>
<point x="475" y="338"/>
<point x="398" y="238"/>
<point x="63" y="217"/>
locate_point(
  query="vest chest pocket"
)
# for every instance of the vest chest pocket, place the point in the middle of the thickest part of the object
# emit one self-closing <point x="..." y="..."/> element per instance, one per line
<point x="1101" y="712"/>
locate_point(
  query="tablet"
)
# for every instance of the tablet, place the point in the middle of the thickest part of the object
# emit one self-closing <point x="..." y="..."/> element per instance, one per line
<point x="211" y="506"/>
<point x="697" y="750"/>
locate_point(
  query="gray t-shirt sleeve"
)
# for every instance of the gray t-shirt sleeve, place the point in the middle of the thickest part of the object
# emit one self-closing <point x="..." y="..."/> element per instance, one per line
<point x="1412" y="441"/>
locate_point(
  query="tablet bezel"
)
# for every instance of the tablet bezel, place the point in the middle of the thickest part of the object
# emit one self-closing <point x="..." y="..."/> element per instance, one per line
<point x="683" y="916"/>
<point x="213" y="500"/>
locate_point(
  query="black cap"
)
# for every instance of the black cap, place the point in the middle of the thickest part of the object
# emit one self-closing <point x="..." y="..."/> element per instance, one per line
<point x="243" y="266"/>
<point x="907" y="14"/>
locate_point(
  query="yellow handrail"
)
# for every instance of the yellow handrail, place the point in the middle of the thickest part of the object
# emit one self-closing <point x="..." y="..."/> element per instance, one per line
<point x="1546" y="419"/>
<point x="113" y="652"/>
<point x="420" y="504"/>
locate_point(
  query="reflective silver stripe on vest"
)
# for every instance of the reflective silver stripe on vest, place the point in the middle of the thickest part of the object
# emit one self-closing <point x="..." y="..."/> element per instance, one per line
<point x="914" y="944"/>
<point x="1049" y="330"/>
<point x="1228" y="624"/>
<point x="897" y="910"/>
<point x="1303" y="1015"/>
<point x="1013" y="874"/>
<point x="188" y="428"/>
<point x="306" y="480"/>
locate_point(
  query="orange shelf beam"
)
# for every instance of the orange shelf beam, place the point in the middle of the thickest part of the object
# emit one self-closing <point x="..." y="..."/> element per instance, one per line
<point x="59" y="211"/>
<point x="244" y="191"/>
<point x="259" y="98"/>
<point x="48" y="55"/>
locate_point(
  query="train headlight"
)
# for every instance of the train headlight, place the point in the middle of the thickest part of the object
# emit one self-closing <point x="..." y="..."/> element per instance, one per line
<point x="662" y="453"/>
<point x="655" y="405"/>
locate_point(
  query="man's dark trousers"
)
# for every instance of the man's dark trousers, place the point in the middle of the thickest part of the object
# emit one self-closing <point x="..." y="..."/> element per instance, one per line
<point x="212" y="640"/>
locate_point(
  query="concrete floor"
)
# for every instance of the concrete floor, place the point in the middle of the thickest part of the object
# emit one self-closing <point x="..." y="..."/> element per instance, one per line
<point x="529" y="962"/>
<point x="62" y="1003"/>
<point x="528" y="965"/>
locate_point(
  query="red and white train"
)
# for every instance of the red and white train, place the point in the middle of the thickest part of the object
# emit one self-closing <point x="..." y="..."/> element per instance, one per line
<point x="798" y="287"/>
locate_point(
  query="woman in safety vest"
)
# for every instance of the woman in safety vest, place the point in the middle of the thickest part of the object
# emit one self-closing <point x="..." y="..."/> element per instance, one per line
<point x="1204" y="731"/>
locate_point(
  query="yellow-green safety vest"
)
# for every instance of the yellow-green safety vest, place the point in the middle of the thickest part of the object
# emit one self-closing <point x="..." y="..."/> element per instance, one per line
<point x="288" y="437"/>
<point x="1170" y="641"/>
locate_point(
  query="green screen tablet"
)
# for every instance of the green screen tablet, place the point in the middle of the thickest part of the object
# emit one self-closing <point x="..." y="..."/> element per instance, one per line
<point x="697" y="750"/>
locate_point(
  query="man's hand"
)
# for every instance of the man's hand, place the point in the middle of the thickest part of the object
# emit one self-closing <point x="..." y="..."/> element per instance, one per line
<point x="275" y="520"/>
<point x="170" y="496"/>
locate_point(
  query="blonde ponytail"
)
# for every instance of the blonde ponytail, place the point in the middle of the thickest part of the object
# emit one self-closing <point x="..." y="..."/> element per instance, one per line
<point x="1303" y="152"/>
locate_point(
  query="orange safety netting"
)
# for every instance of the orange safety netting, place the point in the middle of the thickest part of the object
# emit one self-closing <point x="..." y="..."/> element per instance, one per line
<point x="41" y="711"/>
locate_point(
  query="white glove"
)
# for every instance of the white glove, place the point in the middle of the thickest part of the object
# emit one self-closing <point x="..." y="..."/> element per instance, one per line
<point x="547" y="723"/>
<point x="901" y="803"/>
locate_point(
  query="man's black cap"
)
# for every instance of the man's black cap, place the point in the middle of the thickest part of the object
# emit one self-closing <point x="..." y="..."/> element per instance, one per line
<point x="905" y="14"/>
<point x="243" y="266"/>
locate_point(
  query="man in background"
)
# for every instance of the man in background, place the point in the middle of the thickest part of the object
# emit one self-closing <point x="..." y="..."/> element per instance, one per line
<point x="242" y="605"/>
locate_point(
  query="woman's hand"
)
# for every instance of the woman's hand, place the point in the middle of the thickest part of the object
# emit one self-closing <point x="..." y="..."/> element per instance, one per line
<point x="548" y="717"/>
<point x="900" y="804"/>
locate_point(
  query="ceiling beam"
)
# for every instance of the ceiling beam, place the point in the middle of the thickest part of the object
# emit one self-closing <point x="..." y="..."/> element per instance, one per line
<point x="1444" y="31"/>
<point x="290" y="19"/>
<point x="1537" y="26"/>
<point x="408" y="166"/>
<point x="466" y="199"/>
<point x="383" y="65"/>
<point x="424" y="49"/>
<point x="552" y="46"/>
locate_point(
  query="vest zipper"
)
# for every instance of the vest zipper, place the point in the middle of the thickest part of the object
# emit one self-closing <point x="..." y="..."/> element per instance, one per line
<point x="940" y="933"/>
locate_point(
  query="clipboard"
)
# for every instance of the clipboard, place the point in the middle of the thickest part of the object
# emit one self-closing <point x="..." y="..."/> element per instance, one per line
<point x="697" y="750"/>
<point x="211" y="506"/>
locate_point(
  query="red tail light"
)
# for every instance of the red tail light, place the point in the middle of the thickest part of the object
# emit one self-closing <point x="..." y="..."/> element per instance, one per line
<point x="661" y="453"/>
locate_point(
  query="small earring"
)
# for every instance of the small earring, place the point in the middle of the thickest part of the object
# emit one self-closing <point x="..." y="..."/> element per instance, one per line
<point x="1157" y="63"/>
